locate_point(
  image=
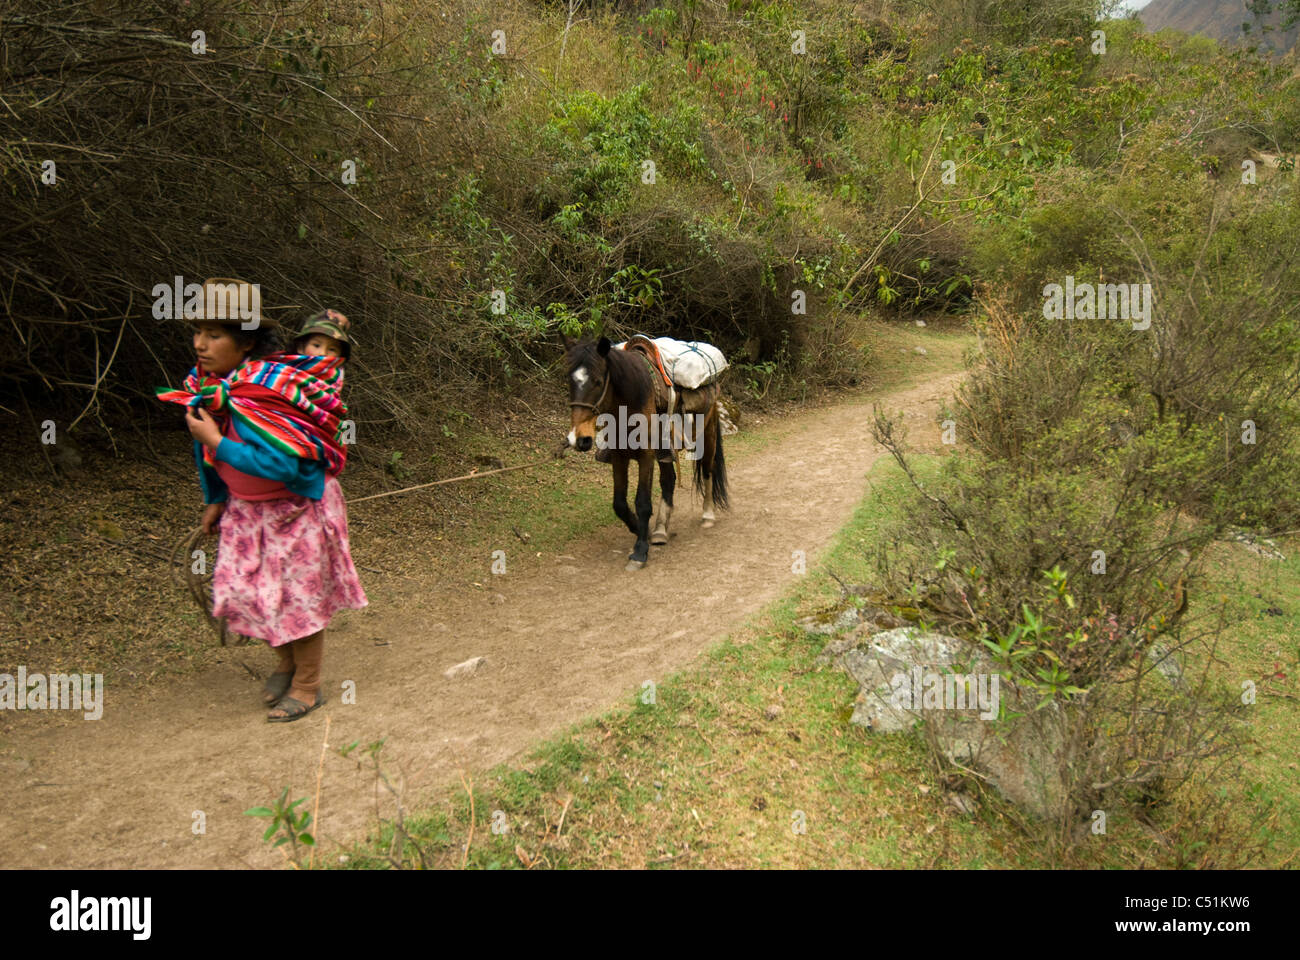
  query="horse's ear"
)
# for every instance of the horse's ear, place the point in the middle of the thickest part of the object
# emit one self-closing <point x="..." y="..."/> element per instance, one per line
<point x="602" y="348"/>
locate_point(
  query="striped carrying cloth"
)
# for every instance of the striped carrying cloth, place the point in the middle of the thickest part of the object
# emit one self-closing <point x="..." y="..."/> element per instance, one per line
<point x="290" y="401"/>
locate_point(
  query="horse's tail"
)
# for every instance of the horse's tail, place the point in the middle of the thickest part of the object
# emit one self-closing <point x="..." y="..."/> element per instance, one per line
<point x="719" y="469"/>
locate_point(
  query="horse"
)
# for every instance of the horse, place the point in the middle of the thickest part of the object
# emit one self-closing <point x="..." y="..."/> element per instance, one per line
<point x="611" y="390"/>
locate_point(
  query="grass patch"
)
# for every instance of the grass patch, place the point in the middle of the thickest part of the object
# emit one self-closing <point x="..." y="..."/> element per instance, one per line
<point x="731" y="757"/>
<point x="738" y="750"/>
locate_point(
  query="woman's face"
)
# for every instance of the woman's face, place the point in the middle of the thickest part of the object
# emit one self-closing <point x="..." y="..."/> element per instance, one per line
<point x="217" y="349"/>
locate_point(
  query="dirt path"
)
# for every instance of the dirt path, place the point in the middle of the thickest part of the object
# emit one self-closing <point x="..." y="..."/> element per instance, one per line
<point x="124" y="791"/>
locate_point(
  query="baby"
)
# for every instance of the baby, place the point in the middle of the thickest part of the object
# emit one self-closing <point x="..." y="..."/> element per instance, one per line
<point x="324" y="335"/>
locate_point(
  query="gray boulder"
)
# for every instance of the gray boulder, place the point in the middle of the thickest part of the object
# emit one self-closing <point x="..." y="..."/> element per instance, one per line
<point x="905" y="676"/>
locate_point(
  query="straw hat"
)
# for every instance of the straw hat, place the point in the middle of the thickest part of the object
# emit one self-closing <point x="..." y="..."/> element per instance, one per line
<point x="330" y="323"/>
<point x="222" y="300"/>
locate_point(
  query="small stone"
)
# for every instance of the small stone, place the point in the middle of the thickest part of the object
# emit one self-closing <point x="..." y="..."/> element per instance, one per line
<point x="920" y="323"/>
<point x="464" y="669"/>
<point x="963" y="803"/>
<point x="921" y="350"/>
<point x="772" y="712"/>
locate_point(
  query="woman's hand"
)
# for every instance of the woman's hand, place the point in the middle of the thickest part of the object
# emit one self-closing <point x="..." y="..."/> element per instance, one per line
<point x="211" y="514"/>
<point x="203" y="427"/>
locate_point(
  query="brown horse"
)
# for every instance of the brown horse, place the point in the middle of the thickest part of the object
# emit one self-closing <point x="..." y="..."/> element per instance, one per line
<point x="622" y="394"/>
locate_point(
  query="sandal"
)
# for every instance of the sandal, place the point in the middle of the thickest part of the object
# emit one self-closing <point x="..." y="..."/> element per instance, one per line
<point x="295" y="708"/>
<point x="277" y="685"/>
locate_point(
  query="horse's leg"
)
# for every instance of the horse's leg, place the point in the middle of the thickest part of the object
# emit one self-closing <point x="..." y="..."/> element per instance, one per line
<point x="645" y="477"/>
<point x="710" y="448"/>
<point x="667" y="482"/>
<point x="618" y="464"/>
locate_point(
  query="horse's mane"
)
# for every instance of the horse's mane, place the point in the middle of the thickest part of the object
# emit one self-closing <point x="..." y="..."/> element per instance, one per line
<point x="630" y="375"/>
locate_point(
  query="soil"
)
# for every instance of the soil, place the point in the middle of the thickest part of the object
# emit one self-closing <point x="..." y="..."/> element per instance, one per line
<point x="564" y="636"/>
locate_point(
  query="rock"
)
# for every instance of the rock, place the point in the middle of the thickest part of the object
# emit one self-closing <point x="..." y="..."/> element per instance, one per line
<point x="1257" y="545"/>
<point x="921" y="351"/>
<point x="841" y="645"/>
<point x="963" y="803"/>
<point x="920" y="323"/>
<point x="1167" y="664"/>
<point x="831" y="622"/>
<point x="772" y="712"/>
<point x="728" y="417"/>
<point x="464" y="669"/>
<point x="1016" y="755"/>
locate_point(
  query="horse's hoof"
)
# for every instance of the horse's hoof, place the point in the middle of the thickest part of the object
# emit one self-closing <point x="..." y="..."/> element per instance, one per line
<point x="634" y="565"/>
<point x="658" y="538"/>
<point x="706" y="524"/>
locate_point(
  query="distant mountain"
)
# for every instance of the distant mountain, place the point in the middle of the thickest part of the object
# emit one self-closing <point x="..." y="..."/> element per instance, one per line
<point x="1218" y="19"/>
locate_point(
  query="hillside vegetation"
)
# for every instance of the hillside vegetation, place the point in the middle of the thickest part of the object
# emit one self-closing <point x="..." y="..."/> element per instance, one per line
<point x="782" y="181"/>
<point x="468" y="182"/>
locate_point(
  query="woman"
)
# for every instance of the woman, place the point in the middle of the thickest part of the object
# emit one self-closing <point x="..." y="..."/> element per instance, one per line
<point x="265" y="434"/>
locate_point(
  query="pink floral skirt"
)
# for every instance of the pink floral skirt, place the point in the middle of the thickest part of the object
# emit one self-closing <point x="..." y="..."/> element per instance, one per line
<point x="283" y="566"/>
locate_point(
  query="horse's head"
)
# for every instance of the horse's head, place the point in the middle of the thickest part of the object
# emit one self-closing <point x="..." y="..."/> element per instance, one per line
<point x="589" y="387"/>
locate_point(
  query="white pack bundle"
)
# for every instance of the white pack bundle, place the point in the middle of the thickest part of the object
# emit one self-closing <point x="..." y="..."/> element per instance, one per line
<point x="689" y="363"/>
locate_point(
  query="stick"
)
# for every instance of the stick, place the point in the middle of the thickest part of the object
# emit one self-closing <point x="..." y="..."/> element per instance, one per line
<point x="315" y="810"/>
<point x="469" y="842"/>
<point x="468" y="476"/>
<point x="676" y="856"/>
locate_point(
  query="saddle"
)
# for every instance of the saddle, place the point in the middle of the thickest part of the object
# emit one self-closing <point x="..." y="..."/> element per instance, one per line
<point x="670" y="398"/>
<point x="665" y="394"/>
<point x="643" y="344"/>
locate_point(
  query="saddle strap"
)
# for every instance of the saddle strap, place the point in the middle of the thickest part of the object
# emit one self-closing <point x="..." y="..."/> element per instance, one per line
<point x="650" y="350"/>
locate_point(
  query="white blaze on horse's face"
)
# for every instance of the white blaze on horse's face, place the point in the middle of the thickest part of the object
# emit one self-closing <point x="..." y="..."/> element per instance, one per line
<point x="583" y="434"/>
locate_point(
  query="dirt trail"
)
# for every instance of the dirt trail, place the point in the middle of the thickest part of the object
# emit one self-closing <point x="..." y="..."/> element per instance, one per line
<point x="123" y="791"/>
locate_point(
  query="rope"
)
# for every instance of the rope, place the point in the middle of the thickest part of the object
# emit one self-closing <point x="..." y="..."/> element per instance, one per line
<point x="199" y="585"/>
<point x="468" y="476"/>
<point x="669" y="368"/>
